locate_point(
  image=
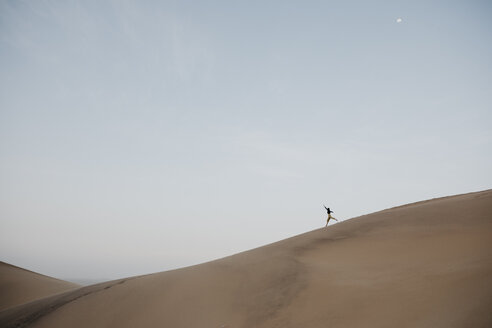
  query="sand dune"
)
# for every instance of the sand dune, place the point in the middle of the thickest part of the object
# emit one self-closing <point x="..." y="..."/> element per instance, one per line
<point x="18" y="286"/>
<point x="427" y="264"/>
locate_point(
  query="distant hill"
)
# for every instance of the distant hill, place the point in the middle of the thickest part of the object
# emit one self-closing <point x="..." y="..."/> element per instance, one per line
<point x="18" y="286"/>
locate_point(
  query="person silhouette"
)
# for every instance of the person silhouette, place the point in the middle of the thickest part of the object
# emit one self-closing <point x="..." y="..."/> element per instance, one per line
<point x="329" y="215"/>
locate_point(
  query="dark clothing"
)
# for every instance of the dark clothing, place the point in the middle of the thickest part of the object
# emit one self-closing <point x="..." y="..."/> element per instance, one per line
<point x="328" y="210"/>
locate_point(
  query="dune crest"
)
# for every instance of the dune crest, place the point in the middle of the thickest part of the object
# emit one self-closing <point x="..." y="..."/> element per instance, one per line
<point x="426" y="264"/>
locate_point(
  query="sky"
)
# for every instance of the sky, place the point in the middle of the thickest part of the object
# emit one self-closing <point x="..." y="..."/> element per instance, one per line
<point x="143" y="136"/>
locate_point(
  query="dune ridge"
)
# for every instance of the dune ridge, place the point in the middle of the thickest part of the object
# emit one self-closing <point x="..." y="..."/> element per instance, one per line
<point x="426" y="264"/>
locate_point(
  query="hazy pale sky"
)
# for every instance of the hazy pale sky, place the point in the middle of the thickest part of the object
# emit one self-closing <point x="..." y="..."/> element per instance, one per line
<point x="141" y="136"/>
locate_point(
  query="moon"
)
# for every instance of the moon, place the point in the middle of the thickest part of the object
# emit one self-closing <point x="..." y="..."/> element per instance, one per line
<point x="399" y="20"/>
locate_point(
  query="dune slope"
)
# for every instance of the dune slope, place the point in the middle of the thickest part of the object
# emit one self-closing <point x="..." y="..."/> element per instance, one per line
<point x="18" y="286"/>
<point x="426" y="264"/>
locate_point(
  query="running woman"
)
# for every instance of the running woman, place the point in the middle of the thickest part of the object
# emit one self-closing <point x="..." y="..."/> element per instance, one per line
<point x="329" y="215"/>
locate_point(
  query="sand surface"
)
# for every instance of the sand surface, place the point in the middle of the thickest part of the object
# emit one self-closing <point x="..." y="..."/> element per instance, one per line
<point x="18" y="286"/>
<point x="427" y="264"/>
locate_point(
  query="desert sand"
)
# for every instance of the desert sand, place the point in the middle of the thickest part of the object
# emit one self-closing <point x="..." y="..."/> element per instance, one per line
<point x="18" y="286"/>
<point x="427" y="264"/>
